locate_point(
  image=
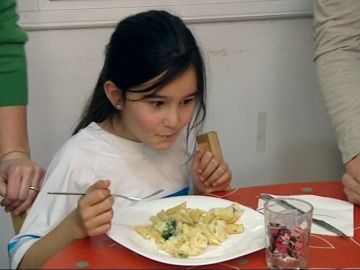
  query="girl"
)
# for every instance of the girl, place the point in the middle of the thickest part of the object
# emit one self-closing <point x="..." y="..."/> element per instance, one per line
<point x="138" y="130"/>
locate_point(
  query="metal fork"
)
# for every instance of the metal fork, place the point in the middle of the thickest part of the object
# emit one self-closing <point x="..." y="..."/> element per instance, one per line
<point x="130" y="198"/>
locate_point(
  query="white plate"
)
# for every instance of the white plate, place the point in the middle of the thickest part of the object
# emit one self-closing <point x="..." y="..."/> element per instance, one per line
<point x="251" y="240"/>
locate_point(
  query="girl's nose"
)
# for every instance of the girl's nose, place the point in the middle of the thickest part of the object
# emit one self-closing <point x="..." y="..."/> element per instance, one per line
<point x="171" y="118"/>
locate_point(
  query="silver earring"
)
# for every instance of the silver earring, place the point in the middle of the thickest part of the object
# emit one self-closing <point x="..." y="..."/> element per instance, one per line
<point x="118" y="106"/>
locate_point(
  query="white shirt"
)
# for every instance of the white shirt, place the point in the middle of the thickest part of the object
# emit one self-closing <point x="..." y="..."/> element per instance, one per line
<point x="93" y="154"/>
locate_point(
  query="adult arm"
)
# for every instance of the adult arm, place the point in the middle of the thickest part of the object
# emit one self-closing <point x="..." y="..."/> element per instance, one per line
<point x="337" y="60"/>
<point x="17" y="171"/>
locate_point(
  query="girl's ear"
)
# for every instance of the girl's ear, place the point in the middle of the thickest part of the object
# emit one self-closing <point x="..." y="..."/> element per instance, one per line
<point x="113" y="93"/>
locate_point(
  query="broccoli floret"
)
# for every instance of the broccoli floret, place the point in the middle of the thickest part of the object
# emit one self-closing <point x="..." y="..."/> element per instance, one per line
<point x="171" y="229"/>
<point x="182" y="255"/>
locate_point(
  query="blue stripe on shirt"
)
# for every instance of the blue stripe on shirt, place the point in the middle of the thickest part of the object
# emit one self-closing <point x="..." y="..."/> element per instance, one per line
<point x="182" y="192"/>
<point x="14" y="242"/>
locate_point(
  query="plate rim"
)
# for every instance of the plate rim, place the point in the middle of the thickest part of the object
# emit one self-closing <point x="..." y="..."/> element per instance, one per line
<point x="193" y="261"/>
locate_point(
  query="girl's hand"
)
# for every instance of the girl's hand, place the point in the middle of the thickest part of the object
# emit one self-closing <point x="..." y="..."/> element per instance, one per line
<point x="209" y="173"/>
<point x="94" y="212"/>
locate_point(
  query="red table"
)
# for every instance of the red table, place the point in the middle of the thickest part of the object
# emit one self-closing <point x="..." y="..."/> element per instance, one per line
<point x="325" y="251"/>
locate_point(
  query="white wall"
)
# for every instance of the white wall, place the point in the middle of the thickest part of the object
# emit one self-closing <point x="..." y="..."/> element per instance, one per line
<point x="264" y="100"/>
<point x="256" y="68"/>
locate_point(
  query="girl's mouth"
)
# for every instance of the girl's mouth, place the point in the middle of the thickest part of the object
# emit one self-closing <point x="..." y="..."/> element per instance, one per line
<point x="167" y="136"/>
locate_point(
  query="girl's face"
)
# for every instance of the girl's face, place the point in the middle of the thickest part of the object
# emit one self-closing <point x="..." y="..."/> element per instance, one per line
<point x="158" y="119"/>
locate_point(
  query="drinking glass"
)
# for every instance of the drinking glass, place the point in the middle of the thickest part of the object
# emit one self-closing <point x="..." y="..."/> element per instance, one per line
<point x="288" y="225"/>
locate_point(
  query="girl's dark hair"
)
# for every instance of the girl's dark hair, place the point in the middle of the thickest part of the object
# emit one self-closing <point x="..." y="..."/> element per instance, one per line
<point x="142" y="47"/>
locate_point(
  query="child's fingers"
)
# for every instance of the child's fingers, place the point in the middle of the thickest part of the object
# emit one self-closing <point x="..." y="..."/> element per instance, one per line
<point x="95" y="210"/>
<point x="219" y="171"/>
<point x="204" y="161"/>
<point x="99" y="224"/>
<point x="197" y="158"/>
<point x="99" y="184"/>
<point x="96" y="193"/>
<point x="100" y="230"/>
<point x="209" y="164"/>
<point x="225" y="178"/>
<point x="211" y="189"/>
<point x="196" y="161"/>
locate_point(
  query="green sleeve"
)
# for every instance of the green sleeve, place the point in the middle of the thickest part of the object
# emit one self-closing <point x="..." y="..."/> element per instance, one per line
<point x="13" y="66"/>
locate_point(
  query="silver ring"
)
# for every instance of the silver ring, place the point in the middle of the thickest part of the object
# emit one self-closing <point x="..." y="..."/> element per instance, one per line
<point x="34" y="188"/>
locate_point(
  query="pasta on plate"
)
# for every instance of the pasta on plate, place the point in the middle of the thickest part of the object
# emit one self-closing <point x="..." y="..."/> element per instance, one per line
<point x="182" y="232"/>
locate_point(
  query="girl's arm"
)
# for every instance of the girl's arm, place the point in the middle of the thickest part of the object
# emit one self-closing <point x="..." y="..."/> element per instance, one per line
<point x="92" y="217"/>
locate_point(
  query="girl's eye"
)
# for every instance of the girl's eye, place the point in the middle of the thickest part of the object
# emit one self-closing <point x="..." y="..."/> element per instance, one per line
<point x="157" y="103"/>
<point x="188" y="100"/>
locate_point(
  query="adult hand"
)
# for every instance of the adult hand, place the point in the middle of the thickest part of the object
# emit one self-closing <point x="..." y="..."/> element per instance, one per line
<point x="94" y="211"/>
<point x="351" y="180"/>
<point x="209" y="172"/>
<point x="20" y="180"/>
